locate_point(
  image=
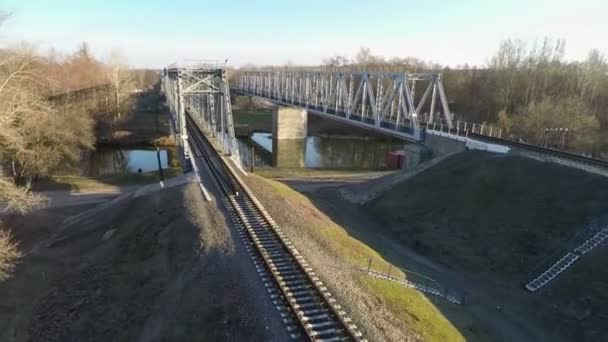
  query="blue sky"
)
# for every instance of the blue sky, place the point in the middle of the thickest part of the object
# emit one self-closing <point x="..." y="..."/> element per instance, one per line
<point x="156" y="33"/>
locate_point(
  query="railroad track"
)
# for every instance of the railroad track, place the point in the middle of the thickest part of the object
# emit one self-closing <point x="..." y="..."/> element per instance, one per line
<point x="308" y="309"/>
<point x="581" y="159"/>
<point x="528" y="147"/>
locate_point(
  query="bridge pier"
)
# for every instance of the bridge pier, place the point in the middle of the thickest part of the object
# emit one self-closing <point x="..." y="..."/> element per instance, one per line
<point x="289" y="123"/>
<point x="289" y="153"/>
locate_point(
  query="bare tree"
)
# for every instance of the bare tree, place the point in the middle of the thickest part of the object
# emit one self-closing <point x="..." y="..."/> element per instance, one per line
<point x="16" y="98"/>
<point x="36" y="136"/>
<point x="120" y="80"/>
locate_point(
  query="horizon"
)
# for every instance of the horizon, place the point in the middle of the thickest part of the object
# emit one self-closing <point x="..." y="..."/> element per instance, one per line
<point x="247" y="33"/>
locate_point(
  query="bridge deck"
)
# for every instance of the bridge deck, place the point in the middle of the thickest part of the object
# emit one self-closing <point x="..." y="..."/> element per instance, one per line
<point x="400" y="131"/>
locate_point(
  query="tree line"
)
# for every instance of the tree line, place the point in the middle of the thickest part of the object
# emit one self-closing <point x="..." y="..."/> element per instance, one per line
<point x="38" y="133"/>
<point x="530" y="90"/>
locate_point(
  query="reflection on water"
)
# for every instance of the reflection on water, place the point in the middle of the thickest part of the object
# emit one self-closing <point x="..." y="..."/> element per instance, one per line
<point x="318" y="152"/>
<point x="105" y="161"/>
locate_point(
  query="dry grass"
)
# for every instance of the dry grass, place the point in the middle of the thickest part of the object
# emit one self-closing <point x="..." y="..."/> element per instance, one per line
<point x="9" y="255"/>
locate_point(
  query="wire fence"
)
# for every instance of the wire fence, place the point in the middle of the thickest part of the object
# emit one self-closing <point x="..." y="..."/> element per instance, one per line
<point x="417" y="281"/>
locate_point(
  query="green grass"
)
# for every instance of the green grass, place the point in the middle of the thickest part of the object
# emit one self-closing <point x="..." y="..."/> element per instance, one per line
<point x="278" y="172"/>
<point x="489" y="213"/>
<point x="426" y="319"/>
<point x="406" y="304"/>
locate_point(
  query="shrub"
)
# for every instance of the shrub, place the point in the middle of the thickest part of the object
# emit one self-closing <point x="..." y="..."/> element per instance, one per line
<point x="9" y="255"/>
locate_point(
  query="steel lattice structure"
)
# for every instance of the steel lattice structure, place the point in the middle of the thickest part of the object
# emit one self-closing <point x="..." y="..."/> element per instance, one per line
<point x="201" y="90"/>
<point x="381" y="100"/>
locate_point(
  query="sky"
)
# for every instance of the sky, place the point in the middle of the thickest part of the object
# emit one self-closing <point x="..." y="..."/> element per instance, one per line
<point x="156" y="33"/>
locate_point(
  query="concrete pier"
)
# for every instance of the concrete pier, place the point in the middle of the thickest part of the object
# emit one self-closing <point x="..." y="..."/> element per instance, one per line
<point x="289" y="152"/>
<point x="289" y="123"/>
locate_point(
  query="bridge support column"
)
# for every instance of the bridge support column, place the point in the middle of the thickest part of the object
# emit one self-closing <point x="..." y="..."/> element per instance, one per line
<point x="289" y="152"/>
<point x="289" y="123"/>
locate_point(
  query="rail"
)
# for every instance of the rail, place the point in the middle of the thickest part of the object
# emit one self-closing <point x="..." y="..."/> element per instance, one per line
<point x="528" y="147"/>
<point x="307" y="306"/>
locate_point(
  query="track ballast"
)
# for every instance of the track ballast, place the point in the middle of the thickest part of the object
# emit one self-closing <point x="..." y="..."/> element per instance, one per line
<point x="307" y="307"/>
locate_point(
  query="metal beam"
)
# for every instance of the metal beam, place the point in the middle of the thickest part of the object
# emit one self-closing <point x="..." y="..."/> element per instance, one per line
<point x="381" y="99"/>
<point x="201" y="90"/>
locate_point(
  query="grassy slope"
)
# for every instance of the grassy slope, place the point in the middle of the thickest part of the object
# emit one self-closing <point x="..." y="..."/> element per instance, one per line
<point x="479" y="210"/>
<point x="582" y="291"/>
<point x="405" y="304"/>
<point x="282" y="172"/>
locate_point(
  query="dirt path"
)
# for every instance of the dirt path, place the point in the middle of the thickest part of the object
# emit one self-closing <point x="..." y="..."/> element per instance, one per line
<point x="161" y="267"/>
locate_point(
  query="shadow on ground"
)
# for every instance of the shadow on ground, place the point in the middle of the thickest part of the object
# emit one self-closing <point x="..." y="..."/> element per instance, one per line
<point x="159" y="267"/>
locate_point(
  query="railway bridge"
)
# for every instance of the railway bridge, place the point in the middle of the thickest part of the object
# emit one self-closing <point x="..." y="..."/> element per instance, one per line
<point x="198" y="96"/>
<point x="411" y="107"/>
<point x="382" y="102"/>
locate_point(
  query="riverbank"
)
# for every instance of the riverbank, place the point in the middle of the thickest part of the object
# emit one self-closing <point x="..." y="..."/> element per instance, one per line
<point x="146" y="124"/>
<point x="144" y="128"/>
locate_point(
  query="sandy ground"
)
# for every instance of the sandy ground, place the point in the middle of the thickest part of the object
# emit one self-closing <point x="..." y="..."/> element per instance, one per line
<point x="161" y="267"/>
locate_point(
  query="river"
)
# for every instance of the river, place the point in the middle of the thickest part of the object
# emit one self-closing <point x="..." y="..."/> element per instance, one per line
<point x="324" y="151"/>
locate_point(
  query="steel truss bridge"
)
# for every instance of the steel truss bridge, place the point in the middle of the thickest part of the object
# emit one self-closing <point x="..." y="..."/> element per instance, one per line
<point x="384" y="101"/>
<point x="201" y="89"/>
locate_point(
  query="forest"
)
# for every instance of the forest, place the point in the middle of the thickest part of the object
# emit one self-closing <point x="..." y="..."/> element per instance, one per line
<point x="529" y="89"/>
<point x="42" y="127"/>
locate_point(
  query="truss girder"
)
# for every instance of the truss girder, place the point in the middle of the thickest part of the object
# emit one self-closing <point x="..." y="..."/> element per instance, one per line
<point x="203" y="92"/>
<point x="377" y="98"/>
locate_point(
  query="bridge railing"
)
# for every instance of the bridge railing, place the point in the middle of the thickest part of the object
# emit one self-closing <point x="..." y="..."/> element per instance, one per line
<point x="465" y="128"/>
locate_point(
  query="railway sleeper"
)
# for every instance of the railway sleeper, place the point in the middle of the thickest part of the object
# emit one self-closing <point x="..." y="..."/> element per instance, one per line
<point x="288" y="272"/>
<point x="284" y="268"/>
<point x="324" y="333"/>
<point x="298" y="282"/>
<point x="308" y="306"/>
<point x="300" y="293"/>
<point x="291" y="277"/>
<point x="316" y="318"/>
<point x="300" y="287"/>
<point x="279" y="264"/>
<point x="304" y="299"/>
<point x="332" y="339"/>
<point x="269" y="241"/>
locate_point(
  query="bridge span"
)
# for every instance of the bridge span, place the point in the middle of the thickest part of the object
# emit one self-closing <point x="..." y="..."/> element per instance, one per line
<point x="380" y="101"/>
